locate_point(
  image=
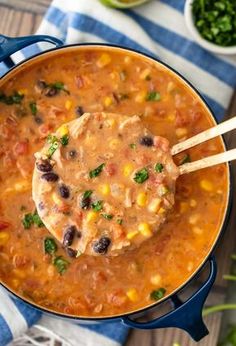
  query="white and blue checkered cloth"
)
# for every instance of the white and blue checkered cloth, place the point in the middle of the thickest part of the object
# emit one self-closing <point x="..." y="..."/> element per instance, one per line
<point x="156" y="28"/>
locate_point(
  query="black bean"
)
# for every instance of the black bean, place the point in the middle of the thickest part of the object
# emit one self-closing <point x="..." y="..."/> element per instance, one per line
<point x="50" y="91"/>
<point x="41" y="84"/>
<point x="64" y="191"/>
<point x="38" y="120"/>
<point x="69" y="235"/>
<point x="71" y="252"/>
<point x="101" y="245"/>
<point x="147" y="141"/>
<point x="52" y="177"/>
<point x="79" y="111"/>
<point x="85" y="203"/>
<point x="44" y="166"/>
<point x="41" y="205"/>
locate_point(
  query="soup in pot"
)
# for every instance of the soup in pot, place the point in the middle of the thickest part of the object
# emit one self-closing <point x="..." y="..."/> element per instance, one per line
<point x="35" y="101"/>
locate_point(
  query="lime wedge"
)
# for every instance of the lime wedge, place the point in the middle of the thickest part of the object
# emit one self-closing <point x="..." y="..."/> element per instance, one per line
<point x="123" y="3"/>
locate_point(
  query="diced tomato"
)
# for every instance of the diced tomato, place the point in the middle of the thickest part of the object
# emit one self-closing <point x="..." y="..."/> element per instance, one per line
<point x="142" y="159"/>
<point x="162" y="143"/>
<point x="4" y="225"/>
<point x="21" y="148"/>
<point x="110" y="169"/>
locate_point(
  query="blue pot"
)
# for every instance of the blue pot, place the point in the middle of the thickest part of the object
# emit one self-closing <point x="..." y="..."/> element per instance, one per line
<point x="186" y="315"/>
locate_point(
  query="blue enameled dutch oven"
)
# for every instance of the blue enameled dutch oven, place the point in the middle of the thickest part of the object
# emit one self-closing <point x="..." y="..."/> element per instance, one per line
<point x="186" y="315"/>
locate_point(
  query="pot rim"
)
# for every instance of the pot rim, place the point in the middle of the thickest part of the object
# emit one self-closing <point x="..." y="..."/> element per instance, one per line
<point x="228" y="202"/>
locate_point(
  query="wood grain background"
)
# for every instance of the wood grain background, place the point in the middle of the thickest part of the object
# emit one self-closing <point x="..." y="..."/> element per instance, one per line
<point x="22" y="17"/>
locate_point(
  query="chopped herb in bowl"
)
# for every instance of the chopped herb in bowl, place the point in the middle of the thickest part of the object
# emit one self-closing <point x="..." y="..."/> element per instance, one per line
<point x="216" y="21"/>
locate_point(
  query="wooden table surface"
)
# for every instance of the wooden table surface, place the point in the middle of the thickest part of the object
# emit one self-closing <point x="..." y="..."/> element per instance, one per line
<point x="22" y="17"/>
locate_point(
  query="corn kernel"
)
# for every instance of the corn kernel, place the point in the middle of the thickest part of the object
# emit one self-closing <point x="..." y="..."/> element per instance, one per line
<point x="108" y="101"/>
<point x="23" y="91"/>
<point x="161" y="211"/>
<point x="51" y="270"/>
<point x="142" y="199"/>
<point x="170" y="87"/>
<point x="193" y="203"/>
<point x="141" y="96"/>
<point x="19" y="273"/>
<point x="110" y="123"/>
<point x="128" y="169"/>
<point x="4" y="237"/>
<point x="127" y="60"/>
<point x="145" y="229"/>
<point x="154" y="206"/>
<point x="15" y="283"/>
<point x="56" y="199"/>
<point x="131" y="234"/>
<point x="181" y="132"/>
<point x="183" y="207"/>
<point x="132" y="294"/>
<point x="104" y="60"/>
<point x="206" y="185"/>
<point x="104" y="189"/>
<point x="68" y="104"/>
<point x="156" y="280"/>
<point x="197" y="230"/>
<point x="190" y="266"/>
<point x="171" y="117"/>
<point x="91" y="216"/>
<point x="63" y="130"/>
<point x="193" y="219"/>
<point x="114" y="143"/>
<point x="145" y="73"/>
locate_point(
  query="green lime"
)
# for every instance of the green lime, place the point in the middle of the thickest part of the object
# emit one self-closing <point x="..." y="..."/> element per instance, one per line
<point x="123" y="3"/>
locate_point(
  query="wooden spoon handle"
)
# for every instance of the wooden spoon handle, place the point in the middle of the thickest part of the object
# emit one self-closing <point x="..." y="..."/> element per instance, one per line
<point x="208" y="161"/>
<point x="213" y="132"/>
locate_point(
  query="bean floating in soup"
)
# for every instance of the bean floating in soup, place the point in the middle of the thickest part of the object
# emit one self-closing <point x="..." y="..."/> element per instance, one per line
<point x="35" y="100"/>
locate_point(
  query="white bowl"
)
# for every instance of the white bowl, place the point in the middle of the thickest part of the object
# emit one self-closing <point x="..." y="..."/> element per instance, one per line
<point x="188" y="14"/>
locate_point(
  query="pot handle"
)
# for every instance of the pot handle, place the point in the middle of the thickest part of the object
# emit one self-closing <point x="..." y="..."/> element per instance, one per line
<point x="9" y="45"/>
<point x="186" y="315"/>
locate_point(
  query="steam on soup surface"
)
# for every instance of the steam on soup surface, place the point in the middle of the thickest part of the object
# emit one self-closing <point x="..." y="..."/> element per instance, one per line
<point x="58" y="89"/>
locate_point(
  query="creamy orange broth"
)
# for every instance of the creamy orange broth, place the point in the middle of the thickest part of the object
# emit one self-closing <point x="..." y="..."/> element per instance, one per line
<point x="103" y="79"/>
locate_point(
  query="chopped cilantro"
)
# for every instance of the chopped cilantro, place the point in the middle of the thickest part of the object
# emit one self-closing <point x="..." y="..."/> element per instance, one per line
<point x="27" y="221"/>
<point x="119" y="221"/>
<point x="30" y="219"/>
<point x="97" y="206"/>
<point x="11" y="99"/>
<point x="159" y="167"/>
<point x="216" y="21"/>
<point x="54" y="144"/>
<point x="85" y="200"/>
<point x="153" y="96"/>
<point x="33" y="108"/>
<point x="61" y="264"/>
<point x="58" y="86"/>
<point x="64" y="140"/>
<point x="158" y="294"/>
<point x="185" y="159"/>
<point x="95" y="172"/>
<point x="133" y="146"/>
<point x="50" y="246"/>
<point x="141" y="176"/>
<point x="107" y="216"/>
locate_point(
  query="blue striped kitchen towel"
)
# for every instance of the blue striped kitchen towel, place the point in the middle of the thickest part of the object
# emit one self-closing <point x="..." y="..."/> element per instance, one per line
<point x="156" y="28"/>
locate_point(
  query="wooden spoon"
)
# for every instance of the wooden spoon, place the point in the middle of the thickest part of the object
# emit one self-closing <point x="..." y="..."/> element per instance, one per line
<point x="203" y="137"/>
